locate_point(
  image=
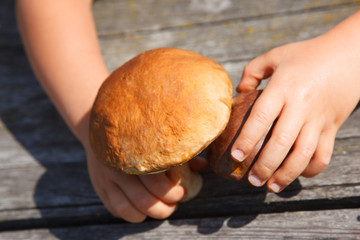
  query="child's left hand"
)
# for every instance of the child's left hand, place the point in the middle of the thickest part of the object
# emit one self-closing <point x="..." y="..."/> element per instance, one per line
<point x="314" y="86"/>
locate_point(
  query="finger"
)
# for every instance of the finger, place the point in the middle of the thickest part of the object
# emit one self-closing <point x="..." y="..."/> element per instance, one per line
<point x="162" y="187"/>
<point x="265" y="110"/>
<point x="298" y="159"/>
<point x="119" y="206"/>
<point x="142" y="199"/>
<point x="198" y="163"/>
<point x="322" y="155"/>
<point x="282" y="139"/>
<point x="256" y="70"/>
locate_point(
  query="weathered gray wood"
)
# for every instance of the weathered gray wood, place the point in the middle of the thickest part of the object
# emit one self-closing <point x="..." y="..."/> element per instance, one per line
<point x="66" y="185"/>
<point x="22" y="96"/>
<point x="234" y="41"/>
<point x="27" y="187"/>
<point x="43" y="174"/>
<point x="119" y="17"/>
<point x="55" y="187"/>
<point x="335" y="224"/>
<point x="351" y="127"/>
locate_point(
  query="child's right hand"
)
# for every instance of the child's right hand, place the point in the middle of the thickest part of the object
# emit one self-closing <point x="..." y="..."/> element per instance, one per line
<point x="132" y="197"/>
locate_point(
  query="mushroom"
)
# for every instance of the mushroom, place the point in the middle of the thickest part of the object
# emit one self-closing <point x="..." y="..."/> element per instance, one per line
<point x="159" y="110"/>
<point x="218" y="152"/>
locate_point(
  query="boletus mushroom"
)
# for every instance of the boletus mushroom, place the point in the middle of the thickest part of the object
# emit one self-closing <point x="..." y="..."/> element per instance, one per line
<point x="219" y="151"/>
<point x="159" y="110"/>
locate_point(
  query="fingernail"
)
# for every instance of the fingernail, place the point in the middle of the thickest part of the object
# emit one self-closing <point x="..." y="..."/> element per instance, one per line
<point x="237" y="155"/>
<point x="254" y="180"/>
<point x="275" y="187"/>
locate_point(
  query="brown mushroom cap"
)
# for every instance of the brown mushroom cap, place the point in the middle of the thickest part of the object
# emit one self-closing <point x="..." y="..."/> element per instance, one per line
<point x="158" y="110"/>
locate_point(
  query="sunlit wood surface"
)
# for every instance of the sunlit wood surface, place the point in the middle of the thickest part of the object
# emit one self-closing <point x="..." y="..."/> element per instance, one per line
<point x="45" y="192"/>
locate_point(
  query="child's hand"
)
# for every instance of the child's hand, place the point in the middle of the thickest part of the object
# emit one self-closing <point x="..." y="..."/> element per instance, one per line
<point x="132" y="197"/>
<point x="314" y="86"/>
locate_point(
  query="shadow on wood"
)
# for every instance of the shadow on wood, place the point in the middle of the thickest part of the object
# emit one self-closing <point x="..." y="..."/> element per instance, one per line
<point x="63" y="196"/>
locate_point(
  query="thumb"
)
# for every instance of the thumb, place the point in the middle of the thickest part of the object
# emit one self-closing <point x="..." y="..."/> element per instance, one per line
<point x="257" y="70"/>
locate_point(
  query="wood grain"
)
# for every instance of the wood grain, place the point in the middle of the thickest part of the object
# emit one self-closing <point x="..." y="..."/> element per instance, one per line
<point x="332" y="224"/>
<point x="45" y="192"/>
<point x="150" y="15"/>
<point x="235" y="40"/>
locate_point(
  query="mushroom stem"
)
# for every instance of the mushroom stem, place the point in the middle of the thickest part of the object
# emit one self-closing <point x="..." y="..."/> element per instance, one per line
<point x="189" y="180"/>
<point x="219" y="151"/>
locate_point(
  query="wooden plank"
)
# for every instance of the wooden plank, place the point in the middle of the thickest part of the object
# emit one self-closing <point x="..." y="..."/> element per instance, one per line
<point x="39" y="150"/>
<point x="234" y="41"/>
<point x="57" y="185"/>
<point x="331" y="224"/>
<point x="249" y="203"/>
<point x="42" y="168"/>
<point x="342" y="170"/>
<point x="118" y="17"/>
<point x="31" y="191"/>
<point x="60" y="186"/>
<point x="32" y="188"/>
<point x="235" y="198"/>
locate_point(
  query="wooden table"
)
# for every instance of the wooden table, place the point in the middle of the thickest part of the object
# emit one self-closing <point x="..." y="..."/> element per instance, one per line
<point x="45" y="192"/>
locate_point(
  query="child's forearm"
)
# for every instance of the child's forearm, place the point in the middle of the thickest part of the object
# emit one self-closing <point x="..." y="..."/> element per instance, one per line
<point x="61" y="43"/>
<point x="347" y="33"/>
<point x="344" y="39"/>
<point x="343" y="44"/>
